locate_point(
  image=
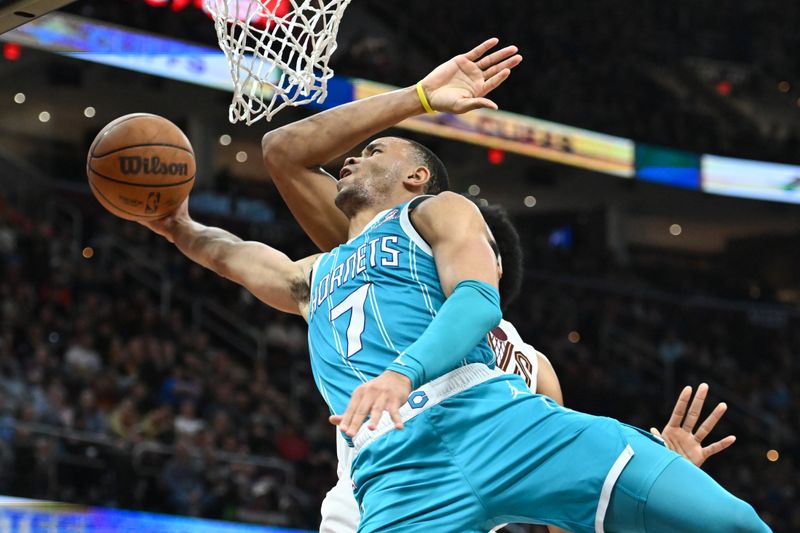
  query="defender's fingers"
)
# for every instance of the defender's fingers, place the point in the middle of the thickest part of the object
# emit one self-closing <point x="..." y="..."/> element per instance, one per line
<point x="478" y="51"/>
<point x="509" y="63"/>
<point x="679" y="411"/>
<point x="708" y="424"/>
<point x="718" y="446"/>
<point x="494" y="82"/>
<point x="335" y="419"/>
<point x="496" y="57"/>
<point x="696" y="407"/>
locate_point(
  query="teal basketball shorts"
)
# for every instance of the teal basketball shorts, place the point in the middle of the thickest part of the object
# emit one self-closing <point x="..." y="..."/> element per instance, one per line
<point x="476" y="453"/>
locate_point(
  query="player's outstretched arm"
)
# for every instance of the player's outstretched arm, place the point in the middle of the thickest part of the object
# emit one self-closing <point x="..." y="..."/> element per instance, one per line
<point x="679" y="434"/>
<point x="267" y="273"/>
<point x="467" y="269"/>
<point x="294" y="154"/>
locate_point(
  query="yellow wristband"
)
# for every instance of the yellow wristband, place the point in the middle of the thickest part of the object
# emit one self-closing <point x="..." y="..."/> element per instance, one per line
<point x="423" y="99"/>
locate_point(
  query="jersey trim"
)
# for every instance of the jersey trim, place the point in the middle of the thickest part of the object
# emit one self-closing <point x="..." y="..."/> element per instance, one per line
<point x="411" y="231"/>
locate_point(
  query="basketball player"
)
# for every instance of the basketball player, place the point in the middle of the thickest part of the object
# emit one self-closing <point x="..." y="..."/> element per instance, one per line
<point x="398" y="318"/>
<point x="339" y="509"/>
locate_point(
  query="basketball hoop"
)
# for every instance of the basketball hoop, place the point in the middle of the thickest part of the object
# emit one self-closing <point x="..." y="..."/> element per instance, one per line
<point x="278" y="51"/>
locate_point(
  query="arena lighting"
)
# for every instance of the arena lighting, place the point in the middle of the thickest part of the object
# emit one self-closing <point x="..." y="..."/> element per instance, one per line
<point x="277" y="7"/>
<point x="12" y="51"/>
<point x="773" y="456"/>
<point x="474" y="190"/>
<point x="529" y="201"/>
<point x="225" y="139"/>
<point x="88" y="252"/>
<point x="19" y="98"/>
<point x="18" y="12"/>
<point x="574" y="337"/>
<point x="496" y="156"/>
<point x="784" y="86"/>
<point x="675" y="229"/>
<point x="241" y="157"/>
<point x="89" y="112"/>
<point x="44" y="116"/>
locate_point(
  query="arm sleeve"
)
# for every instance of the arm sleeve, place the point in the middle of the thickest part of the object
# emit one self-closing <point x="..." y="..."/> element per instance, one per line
<point x="471" y="311"/>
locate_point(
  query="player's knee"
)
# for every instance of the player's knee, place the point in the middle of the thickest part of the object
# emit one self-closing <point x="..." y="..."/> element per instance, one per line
<point x="739" y="517"/>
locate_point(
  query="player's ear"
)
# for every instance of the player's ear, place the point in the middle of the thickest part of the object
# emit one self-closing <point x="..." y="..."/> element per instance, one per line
<point x="418" y="179"/>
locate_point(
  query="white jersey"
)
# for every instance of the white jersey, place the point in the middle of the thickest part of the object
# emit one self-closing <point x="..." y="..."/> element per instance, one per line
<point x="339" y="508"/>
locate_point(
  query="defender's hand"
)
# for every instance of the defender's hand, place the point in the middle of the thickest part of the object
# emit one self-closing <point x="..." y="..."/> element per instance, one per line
<point x="459" y="85"/>
<point x="166" y="226"/>
<point x="387" y="392"/>
<point x="678" y="436"/>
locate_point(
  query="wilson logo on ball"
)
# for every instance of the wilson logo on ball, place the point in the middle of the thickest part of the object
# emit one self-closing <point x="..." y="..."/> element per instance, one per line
<point x="151" y="165"/>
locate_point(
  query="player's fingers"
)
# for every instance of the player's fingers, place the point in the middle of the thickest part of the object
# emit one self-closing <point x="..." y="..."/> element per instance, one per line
<point x="335" y="419"/>
<point x="347" y="417"/>
<point x="509" y="63"/>
<point x="718" y="446"/>
<point x="496" y="57"/>
<point x="394" y="412"/>
<point x="468" y="104"/>
<point x="695" y="407"/>
<point x="494" y="82"/>
<point x="680" y="407"/>
<point x="478" y="51"/>
<point x="359" y="414"/>
<point x="708" y="424"/>
<point x="376" y="412"/>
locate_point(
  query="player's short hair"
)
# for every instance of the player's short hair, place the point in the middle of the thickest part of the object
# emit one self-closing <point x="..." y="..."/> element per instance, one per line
<point x="507" y="246"/>
<point x="439" y="181"/>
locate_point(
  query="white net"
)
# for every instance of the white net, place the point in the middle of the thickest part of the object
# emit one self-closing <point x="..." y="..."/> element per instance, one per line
<point x="278" y="51"/>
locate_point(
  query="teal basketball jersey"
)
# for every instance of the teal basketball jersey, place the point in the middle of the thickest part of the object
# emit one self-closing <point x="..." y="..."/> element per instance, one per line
<point x="370" y="299"/>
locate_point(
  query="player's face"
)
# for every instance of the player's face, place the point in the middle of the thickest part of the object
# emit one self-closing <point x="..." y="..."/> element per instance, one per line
<point x="374" y="175"/>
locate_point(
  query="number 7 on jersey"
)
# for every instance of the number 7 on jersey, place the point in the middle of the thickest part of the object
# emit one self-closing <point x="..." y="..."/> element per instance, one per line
<point x="353" y="302"/>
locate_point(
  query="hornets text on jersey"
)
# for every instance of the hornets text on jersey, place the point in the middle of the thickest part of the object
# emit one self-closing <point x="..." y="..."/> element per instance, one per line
<point x="370" y="299"/>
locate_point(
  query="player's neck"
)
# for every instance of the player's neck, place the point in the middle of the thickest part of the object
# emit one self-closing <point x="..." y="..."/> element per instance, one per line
<point x="360" y="220"/>
<point x="364" y="216"/>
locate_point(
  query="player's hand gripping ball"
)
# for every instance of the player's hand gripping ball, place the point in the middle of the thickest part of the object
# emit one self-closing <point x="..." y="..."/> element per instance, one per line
<point x="141" y="167"/>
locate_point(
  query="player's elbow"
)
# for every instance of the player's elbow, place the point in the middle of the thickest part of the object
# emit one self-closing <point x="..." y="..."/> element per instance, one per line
<point x="275" y="152"/>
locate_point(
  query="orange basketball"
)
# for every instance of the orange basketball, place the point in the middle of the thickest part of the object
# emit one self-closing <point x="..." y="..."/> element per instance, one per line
<point x="141" y="167"/>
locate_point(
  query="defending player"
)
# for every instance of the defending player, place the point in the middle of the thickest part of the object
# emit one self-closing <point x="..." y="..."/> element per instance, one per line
<point x="397" y="322"/>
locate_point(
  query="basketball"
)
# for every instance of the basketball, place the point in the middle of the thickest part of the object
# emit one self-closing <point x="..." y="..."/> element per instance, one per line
<point x="141" y="167"/>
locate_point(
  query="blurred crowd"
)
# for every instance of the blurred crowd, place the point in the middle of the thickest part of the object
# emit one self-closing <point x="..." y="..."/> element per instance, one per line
<point x="105" y="400"/>
<point x="108" y="398"/>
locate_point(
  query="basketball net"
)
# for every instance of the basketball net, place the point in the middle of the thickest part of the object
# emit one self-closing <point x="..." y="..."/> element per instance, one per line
<point x="278" y="52"/>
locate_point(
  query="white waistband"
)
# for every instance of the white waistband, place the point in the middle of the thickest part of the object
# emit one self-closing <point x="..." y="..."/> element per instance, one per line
<point x="427" y="396"/>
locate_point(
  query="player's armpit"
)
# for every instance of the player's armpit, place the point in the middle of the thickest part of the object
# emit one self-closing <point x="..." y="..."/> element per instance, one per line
<point x="268" y="274"/>
<point x="459" y="238"/>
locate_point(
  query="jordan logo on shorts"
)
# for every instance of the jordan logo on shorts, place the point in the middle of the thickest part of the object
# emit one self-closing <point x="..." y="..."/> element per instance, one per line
<point x="515" y="391"/>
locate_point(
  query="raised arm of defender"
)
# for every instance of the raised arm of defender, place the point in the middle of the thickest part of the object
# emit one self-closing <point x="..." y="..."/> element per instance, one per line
<point x="269" y="274"/>
<point x="294" y="154"/>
